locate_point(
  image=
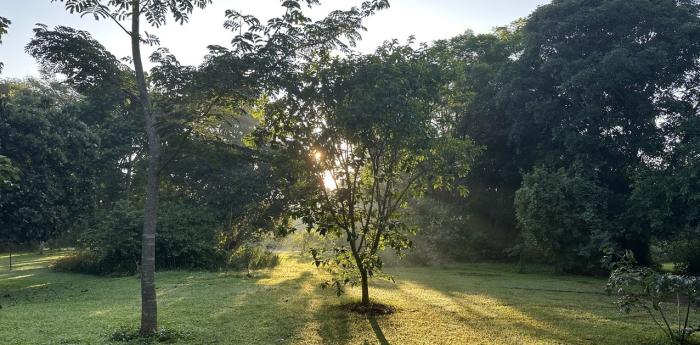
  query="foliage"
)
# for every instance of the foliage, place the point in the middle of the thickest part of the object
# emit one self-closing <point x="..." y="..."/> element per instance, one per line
<point x="252" y="257"/>
<point x="564" y="214"/>
<point x="683" y="251"/>
<point x="666" y="197"/>
<point x="109" y="106"/>
<point x="161" y="335"/>
<point x="472" y="64"/>
<point x="187" y="240"/>
<point x="589" y="83"/>
<point x="8" y="174"/>
<point x="440" y="236"/>
<point x="4" y="24"/>
<point x="85" y="63"/>
<point x="648" y="290"/>
<point x="52" y="153"/>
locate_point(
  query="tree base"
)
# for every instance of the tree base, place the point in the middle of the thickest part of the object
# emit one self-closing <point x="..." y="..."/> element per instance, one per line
<point x="371" y="309"/>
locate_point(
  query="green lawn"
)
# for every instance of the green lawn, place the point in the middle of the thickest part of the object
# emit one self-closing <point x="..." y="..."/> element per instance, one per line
<point x="465" y="304"/>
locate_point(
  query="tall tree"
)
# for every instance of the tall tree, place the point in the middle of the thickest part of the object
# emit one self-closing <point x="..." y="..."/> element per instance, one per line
<point x="156" y="13"/>
<point x="586" y="91"/>
<point x="472" y="64"/>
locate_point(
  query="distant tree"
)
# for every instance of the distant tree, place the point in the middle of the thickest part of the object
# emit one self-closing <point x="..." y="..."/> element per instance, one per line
<point x="588" y="87"/>
<point x="564" y="215"/>
<point x="360" y="139"/>
<point x="4" y="24"/>
<point x="665" y="199"/>
<point x="50" y="154"/>
<point x="472" y="64"/>
<point x="110" y="104"/>
<point x="155" y="13"/>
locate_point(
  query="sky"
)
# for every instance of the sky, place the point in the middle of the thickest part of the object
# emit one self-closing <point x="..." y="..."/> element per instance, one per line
<point x="427" y="20"/>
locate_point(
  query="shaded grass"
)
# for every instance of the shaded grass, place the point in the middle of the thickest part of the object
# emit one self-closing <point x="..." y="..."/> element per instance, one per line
<point x="460" y="304"/>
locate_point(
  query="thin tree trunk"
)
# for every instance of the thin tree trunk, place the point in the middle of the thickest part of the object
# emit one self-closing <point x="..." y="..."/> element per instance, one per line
<point x="365" y="288"/>
<point x="10" y="259"/>
<point x="149" y="307"/>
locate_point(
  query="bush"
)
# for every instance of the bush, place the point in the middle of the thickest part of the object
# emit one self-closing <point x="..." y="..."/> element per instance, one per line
<point x="187" y="238"/>
<point x="684" y="252"/>
<point x="665" y="297"/>
<point x="253" y="257"/>
<point x="83" y="261"/>
<point x="563" y="215"/>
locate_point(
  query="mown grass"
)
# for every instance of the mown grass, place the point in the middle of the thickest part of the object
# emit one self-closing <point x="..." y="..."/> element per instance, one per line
<point x="462" y="304"/>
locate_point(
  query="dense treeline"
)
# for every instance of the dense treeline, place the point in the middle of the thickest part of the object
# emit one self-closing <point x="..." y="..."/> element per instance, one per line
<point x="565" y="136"/>
<point x="588" y="112"/>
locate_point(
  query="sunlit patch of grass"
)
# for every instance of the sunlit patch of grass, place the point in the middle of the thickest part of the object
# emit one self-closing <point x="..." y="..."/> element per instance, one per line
<point x="460" y="304"/>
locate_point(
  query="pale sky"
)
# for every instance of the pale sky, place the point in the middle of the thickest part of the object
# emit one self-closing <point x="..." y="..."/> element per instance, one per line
<point x="428" y="20"/>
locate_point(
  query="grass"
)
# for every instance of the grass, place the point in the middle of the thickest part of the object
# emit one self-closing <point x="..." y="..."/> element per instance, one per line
<point x="464" y="304"/>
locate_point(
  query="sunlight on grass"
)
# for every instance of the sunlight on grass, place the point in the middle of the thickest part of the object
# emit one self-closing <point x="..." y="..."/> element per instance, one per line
<point x="464" y="304"/>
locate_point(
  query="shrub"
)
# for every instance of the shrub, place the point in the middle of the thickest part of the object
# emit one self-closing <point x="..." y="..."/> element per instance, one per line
<point x="187" y="238"/>
<point x="563" y="215"/>
<point x="684" y="252"/>
<point x="655" y="293"/>
<point x="248" y="257"/>
<point x="162" y="335"/>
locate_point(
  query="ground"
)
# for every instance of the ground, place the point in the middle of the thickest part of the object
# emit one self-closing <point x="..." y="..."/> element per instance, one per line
<point x="459" y="304"/>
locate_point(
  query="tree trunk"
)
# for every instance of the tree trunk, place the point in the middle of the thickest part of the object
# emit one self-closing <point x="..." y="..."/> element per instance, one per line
<point x="149" y="307"/>
<point x="365" y="288"/>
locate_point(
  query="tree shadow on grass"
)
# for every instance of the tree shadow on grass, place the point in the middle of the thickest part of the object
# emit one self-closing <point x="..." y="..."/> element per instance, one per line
<point x="377" y="330"/>
<point x="556" y="308"/>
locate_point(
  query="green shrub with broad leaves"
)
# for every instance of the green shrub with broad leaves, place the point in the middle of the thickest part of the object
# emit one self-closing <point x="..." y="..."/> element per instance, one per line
<point x="187" y="239"/>
<point x="667" y="298"/>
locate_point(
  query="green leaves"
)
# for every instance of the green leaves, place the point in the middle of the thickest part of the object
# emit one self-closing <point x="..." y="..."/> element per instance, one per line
<point x="4" y="24"/>
<point x="565" y="214"/>
<point x="645" y="289"/>
<point x="361" y="138"/>
<point x="85" y="62"/>
<point x="52" y="156"/>
<point x="9" y="174"/>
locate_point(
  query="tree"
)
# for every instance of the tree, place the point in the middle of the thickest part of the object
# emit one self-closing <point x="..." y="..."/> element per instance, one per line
<point x="472" y="64"/>
<point x="4" y="24"/>
<point x="588" y="87"/>
<point x="156" y="13"/>
<point x="360" y="138"/>
<point x="110" y="102"/>
<point x="564" y="215"/>
<point x="51" y="154"/>
<point x="665" y="198"/>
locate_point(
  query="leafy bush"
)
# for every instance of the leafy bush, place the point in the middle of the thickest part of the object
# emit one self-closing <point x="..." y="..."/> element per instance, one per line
<point x="684" y="252"/>
<point x="249" y="257"/>
<point x="187" y="238"/>
<point x="646" y="289"/>
<point x="564" y="216"/>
